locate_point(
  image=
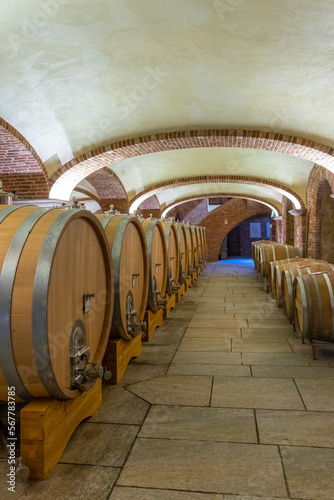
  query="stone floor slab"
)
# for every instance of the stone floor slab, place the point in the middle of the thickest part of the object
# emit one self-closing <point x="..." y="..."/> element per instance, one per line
<point x="124" y="493"/>
<point x="181" y="313"/>
<point x="249" y="392"/>
<point x="175" y="390"/>
<point x="264" y="333"/>
<point x="120" y="406"/>
<point x="205" y="344"/>
<point x="274" y="359"/>
<point x="155" y="355"/>
<point x="309" y="372"/>
<point x="213" y="333"/>
<point x="138" y="373"/>
<point x="260" y="345"/>
<point x="100" y="444"/>
<point x="318" y="395"/>
<point x="210" y="316"/>
<point x="214" y="370"/>
<point x="168" y="336"/>
<point x="248" y="305"/>
<point x="254" y="316"/>
<point x="309" y="472"/>
<point x="244" y="469"/>
<point x="201" y="424"/>
<point x="66" y="482"/>
<point x="218" y="323"/>
<point x="273" y="323"/>
<point x="214" y="358"/>
<point x="296" y="428"/>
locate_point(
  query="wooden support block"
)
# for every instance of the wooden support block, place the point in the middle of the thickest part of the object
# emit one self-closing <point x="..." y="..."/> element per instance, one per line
<point x="171" y="301"/>
<point x="188" y="283"/>
<point x="118" y="354"/>
<point x="193" y="275"/>
<point x="48" y="424"/>
<point x="153" y="320"/>
<point x="180" y="292"/>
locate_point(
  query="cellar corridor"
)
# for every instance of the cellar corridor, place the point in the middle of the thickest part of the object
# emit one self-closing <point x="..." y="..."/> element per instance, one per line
<point x="225" y="403"/>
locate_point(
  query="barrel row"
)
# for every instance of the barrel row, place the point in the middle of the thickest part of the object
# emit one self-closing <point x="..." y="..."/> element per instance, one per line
<point x="70" y="280"/>
<point x="305" y="289"/>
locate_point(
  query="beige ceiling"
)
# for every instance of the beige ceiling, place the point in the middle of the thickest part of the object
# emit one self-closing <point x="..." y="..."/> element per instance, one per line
<point x="76" y="74"/>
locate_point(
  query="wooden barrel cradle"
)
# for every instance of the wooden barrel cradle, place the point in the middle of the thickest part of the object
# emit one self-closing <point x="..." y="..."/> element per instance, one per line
<point x="157" y="263"/>
<point x="128" y="246"/>
<point x="190" y="246"/>
<point x="173" y="263"/>
<point x="288" y="279"/>
<point x="183" y="252"/>
<point x="275" y="252"/>
<point x="314" y="305"/>
<point x="56" y="290"/>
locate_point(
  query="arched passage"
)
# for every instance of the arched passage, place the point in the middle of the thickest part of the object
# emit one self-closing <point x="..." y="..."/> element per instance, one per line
<point x="238" y="242"/>
<point x="325" y="226"/>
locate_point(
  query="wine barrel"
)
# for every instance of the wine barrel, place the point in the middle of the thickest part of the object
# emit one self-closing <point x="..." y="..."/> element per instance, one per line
<point x="314" y="305"/>
<point x="205" y="243"/>
<point x="202" y="247"/>
<point x="275" y="277"/>
<point x="275" y="252"/>
<point x="196" y="247"/>
<point x="56" y="287"/>
<point x="183" y="252"/>
<point x="128" y="247"/>
<point x="288" y="278"/>
<point x="190" y="246"/>
<point x="157" y="263"/>
<point x="173" y="263"/>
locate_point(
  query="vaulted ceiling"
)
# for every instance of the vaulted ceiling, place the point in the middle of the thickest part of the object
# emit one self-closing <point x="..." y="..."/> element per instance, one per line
<point x="78" y="76"/>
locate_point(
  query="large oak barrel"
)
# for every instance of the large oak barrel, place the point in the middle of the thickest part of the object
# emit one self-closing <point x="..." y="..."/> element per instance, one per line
<point x="202" y="248"/>
<point x="183" y="252"/>
<point x="157" y="263"/>
<point x="314" y="305"/>
<point x="275" y="252"/>
<point x="190" y="246"/>
<point x="275" y="278"/>
<point x="127" y="242"/>
<point x="288" y="278"/>
<point x="173" y="263"/>
<point x="56" y="290"/>
<point x="205" y="243"/>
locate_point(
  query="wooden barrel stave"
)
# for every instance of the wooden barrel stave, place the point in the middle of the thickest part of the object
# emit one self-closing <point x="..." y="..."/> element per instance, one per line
<point x="183" y="252"/>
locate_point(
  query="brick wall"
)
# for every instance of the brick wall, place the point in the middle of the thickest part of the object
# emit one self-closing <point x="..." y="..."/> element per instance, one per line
<point x="192" y="211"/>
<point x="222" y="220"/>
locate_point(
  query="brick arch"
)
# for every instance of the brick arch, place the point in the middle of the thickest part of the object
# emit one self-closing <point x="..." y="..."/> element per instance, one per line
<point x="21" y="169"/>
<point x="77" y="169"/>
<point x="217" y="195"/>
<point x="317" y="179"/>
<point x="233" y="213"/>
<point x="236" y="179"/>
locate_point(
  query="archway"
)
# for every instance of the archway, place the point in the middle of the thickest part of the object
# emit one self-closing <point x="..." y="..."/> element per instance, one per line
<point x="325" y="237"/>
<point x="238" y="242"/>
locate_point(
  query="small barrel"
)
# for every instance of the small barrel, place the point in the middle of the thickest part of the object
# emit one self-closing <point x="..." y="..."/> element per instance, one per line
<point x="314" y="305"/>
<point x="288" y="278"/>
<point x="157" y="263"/>
<point x="127" y="242"/>
<point x="173" y="263"/>
<point x="183" y="252"/>
<point x="275" y="252"/>
<point x="56" y="288"/>
<point x="275" y="277"/>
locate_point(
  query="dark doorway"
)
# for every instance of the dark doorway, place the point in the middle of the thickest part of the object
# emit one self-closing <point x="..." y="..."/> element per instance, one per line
<point x="238" y="242"/>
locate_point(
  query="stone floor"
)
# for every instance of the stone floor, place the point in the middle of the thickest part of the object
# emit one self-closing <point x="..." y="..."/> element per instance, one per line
<point x="225" y="403"/>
